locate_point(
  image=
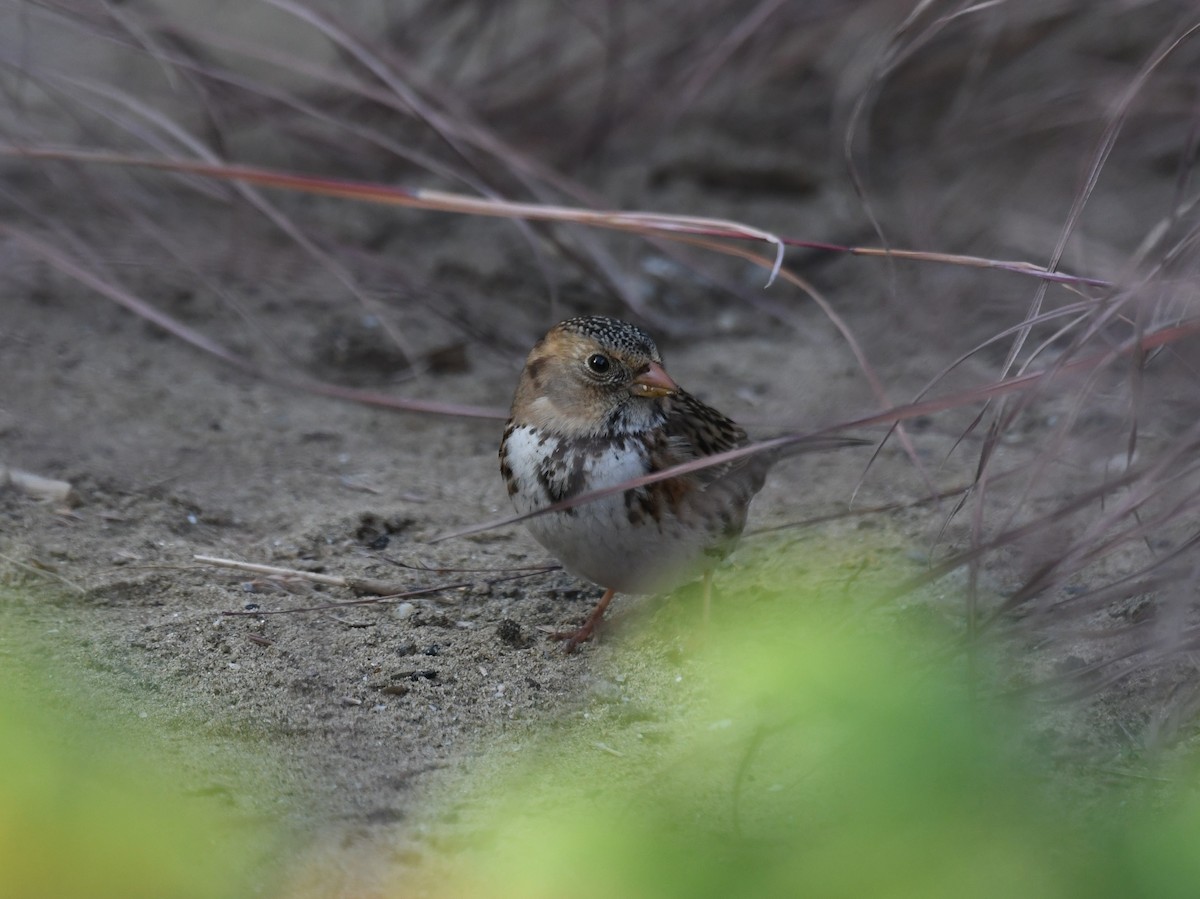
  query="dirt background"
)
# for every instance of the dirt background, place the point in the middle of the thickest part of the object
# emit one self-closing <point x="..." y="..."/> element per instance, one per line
<point x="979" y="144"/>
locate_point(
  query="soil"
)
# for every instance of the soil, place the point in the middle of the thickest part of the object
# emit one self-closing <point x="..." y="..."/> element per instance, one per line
<point x="172" y="454"/>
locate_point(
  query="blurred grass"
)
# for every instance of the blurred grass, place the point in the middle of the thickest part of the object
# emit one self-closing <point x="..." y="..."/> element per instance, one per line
<point x="801" y="755"/>
<point x="91" y="807"/>
<point x="791" y="749"/>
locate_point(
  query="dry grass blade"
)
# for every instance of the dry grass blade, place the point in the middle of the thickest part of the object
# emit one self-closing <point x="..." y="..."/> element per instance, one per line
<point x="819" y="440"/>
<point x="815" y="442"/>
<point x="661" y="224"/>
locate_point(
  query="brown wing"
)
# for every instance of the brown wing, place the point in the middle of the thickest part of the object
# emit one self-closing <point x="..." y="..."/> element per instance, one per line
<point x="695" y="430"/>
<point x="720" y="495"/>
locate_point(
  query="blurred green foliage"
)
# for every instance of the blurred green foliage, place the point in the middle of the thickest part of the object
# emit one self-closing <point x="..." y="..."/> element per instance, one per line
<point x="789" y="751"/>
<point x="92" y="809"/>
<point x="812" y="759"/>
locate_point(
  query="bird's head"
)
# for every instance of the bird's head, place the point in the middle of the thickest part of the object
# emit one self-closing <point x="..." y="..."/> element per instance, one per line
<point x="592" y="375"/>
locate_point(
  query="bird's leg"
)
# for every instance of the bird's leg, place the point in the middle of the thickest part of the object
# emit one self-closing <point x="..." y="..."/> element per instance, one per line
<point x="575" y="637"/>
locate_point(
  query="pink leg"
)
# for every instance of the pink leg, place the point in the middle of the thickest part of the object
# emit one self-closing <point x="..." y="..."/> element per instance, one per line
<point x="575" y="637"/>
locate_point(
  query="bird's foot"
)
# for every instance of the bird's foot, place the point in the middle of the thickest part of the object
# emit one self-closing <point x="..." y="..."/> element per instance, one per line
<point x="573" y="639"/>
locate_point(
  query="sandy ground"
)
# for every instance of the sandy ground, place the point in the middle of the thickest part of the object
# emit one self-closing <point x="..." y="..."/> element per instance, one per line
<point x="170" y="454"/>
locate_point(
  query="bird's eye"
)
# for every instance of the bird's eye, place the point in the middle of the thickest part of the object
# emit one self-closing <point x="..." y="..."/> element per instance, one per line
<point x="599" y="363"/>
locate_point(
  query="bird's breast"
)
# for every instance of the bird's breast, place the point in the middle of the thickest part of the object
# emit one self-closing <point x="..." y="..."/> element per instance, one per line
<point x="542" y="468"/>
<point x="643" y="540"/>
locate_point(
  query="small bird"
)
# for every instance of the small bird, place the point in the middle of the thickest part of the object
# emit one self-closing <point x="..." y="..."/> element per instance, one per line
<point x="594" y="407"/>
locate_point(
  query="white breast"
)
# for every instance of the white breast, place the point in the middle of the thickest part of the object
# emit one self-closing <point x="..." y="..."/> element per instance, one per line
<point x="596" y="540"/>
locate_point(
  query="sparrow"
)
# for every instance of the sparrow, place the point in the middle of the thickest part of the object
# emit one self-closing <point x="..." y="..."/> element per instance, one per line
<point x="594" y="407"/>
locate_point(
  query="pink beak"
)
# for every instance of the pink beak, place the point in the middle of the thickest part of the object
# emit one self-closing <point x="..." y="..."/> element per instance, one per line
<point x="653" y="382"/>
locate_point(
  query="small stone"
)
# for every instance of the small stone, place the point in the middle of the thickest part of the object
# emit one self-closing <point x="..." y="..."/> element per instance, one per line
<point x="509" y="632"/>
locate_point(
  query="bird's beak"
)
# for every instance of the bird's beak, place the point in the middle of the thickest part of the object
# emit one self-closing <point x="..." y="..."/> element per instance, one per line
<point x="653" y="382"/>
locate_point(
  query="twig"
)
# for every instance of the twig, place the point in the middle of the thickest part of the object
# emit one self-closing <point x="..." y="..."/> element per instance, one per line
<point x="524" y="569"/>
<point x="332" y="606"/>
<point x="42" y="572"/>
<point x="358" y="586"/>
